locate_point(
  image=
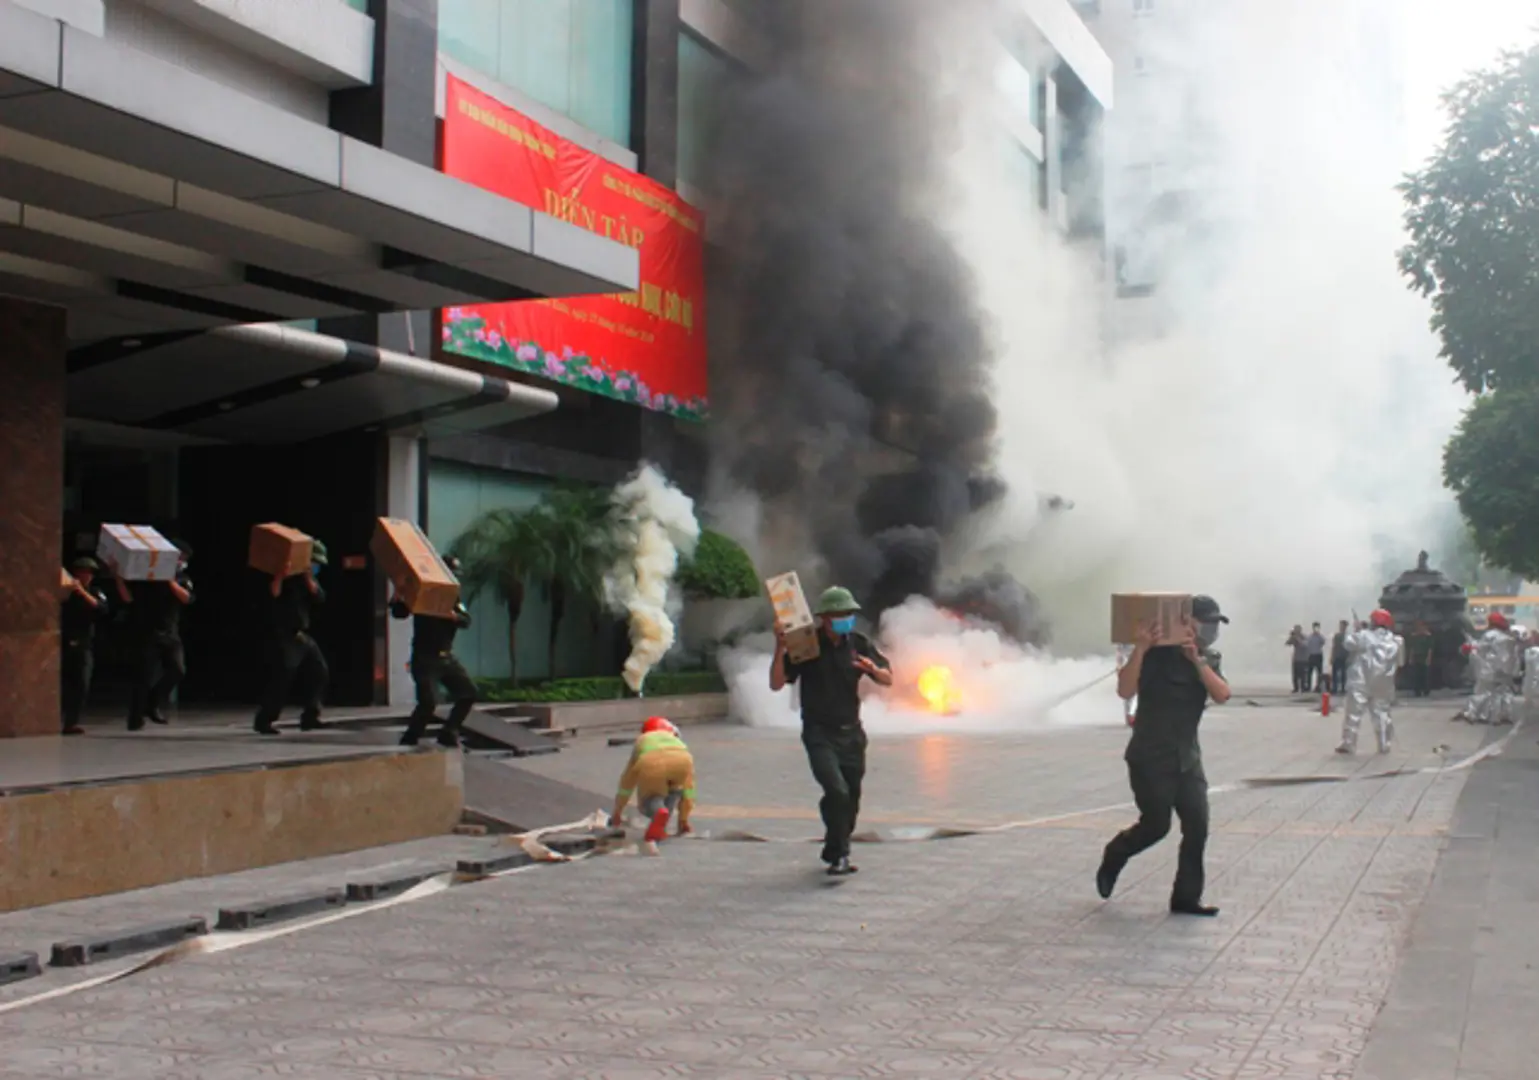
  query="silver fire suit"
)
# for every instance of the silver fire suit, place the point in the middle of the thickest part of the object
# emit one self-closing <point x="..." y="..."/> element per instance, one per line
<point x="1494" y="662"/>
<point x="1531" y="682"/>
<point x="1375" y="654"/>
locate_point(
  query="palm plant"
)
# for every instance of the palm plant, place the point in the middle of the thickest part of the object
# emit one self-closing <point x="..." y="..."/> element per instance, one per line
<point x="564" y="545"/>
<point x="501" y="551"/>
<point x="575" y="523"/>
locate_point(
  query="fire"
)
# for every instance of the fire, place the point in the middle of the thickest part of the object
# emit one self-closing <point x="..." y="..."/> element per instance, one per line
<point x="936" y="687"/>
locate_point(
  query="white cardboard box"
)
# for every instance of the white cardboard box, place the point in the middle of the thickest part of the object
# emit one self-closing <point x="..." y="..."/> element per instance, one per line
<point x="137" y="553"/>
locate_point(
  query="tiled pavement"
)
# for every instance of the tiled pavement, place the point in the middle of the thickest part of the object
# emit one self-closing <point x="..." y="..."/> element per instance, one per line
<point x="980" y="957"/>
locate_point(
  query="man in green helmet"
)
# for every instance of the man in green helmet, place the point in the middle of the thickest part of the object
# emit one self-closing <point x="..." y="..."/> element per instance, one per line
<point x="831" y="729"/>
<point x="293" y="655"/>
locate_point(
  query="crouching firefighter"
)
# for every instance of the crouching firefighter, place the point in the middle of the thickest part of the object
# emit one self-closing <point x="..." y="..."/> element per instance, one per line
<point x="1376" y="654"/>
<point x="661" y="774"/>
<point x="433" y="664"/>
<point x="293" y="655"/>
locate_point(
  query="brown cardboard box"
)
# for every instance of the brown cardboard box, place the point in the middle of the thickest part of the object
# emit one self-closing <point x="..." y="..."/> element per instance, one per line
<point x="793" y="617"/>
<point x="421" y="580"/>
<point x="279" y="551"/>
<point x="1130" y="610"/>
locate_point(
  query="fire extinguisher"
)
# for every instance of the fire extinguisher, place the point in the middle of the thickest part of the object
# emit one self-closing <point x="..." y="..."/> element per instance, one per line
<point x="1325" y="703"/>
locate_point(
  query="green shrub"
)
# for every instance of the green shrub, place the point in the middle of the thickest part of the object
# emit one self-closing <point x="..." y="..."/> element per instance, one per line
<point x="720" y="570"/>
<point x="606" y="688"/>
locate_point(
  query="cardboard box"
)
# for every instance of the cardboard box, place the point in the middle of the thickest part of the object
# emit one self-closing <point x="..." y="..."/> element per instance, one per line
<point x="279" y="551"/>
<point x="137" y="553"/>
<point x="793" y="617"/>
<point x="421" y="580"/>
<point x="1131" y="610"/>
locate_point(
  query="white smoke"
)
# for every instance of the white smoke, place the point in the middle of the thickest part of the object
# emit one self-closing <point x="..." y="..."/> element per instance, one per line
<point x="656" y="524"/>
<point x="1271" y="433"/>
<point x="1000" y="686"/>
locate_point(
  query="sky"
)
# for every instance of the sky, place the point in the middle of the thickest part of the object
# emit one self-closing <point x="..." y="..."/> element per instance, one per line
<point x="1445" y="39"/>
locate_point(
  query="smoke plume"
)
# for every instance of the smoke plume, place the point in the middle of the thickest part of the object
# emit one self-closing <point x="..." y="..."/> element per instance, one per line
<point x="655" y="525"/>
<point x="914" y="356"/>
<point x="856" y="400"/>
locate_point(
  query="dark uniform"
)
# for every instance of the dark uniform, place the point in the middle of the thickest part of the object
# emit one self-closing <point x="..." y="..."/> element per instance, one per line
<point x="293" y="656"/>
<point x="77" y="637"/>
<point x="155" y="626"/>
<point x="433" y="662"/>
<point x="832" y="732"/>
<point x="1419" y="653"/>
<point x="1165" y="766"/>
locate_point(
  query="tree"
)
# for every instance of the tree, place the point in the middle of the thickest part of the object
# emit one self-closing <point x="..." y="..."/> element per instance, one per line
<point x="1473" y="218"/>
<point x="1492" y="466"/>
<point x="720" y="570"/>
<point x="501" y="551"/>
<point x="576" y="524"/>
<point x="562" y="545"/>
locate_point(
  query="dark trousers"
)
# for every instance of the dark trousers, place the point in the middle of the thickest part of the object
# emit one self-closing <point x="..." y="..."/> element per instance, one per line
<point x="1315" y="679"/>
<point x="295" y="664"/>
<point x="1421" y="679"/>
<point x="76" y="666"/>
<point x="1300" y="676"/>
<point x="1160" y="790"/>
<point x="1339" y="675"/>
<point x="838" y="760"/>
<point x="427" y="674"/>
<point x="161" y="669"/>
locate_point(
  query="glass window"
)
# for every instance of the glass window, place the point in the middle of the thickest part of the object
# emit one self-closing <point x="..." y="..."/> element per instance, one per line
<point x="358" y="5"/>
<point x="702" y="73"/>
<point x="573" y="56"/>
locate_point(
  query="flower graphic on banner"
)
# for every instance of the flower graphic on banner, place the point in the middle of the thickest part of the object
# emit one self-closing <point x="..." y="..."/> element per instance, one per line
<point x="467" y="334"/>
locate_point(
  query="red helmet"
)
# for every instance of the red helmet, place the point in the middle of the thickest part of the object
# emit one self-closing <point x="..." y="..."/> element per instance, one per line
<point x="657" y="723"/>
<point x="1380" y="617"/>
<point x="1498" y="620"/>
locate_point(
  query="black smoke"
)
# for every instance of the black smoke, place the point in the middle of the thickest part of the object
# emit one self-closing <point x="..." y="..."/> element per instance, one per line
<point x="851" y="387"/>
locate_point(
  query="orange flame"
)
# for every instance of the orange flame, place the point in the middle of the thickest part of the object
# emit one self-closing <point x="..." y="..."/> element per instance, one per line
<point x="935" y="686"/>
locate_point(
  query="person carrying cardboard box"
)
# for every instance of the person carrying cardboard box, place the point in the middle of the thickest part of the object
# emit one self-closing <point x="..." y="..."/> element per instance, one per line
<point x="293" y="656"/>
<point x="433" y="663"/>
<point x="1173" y="684"/>
<point x="155" y="630"/>
<point x="831" y="730"/>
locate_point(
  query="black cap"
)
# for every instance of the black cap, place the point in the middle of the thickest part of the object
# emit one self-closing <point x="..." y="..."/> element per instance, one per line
<point x="1205" y="610"/>
<point x="83" y="563"/>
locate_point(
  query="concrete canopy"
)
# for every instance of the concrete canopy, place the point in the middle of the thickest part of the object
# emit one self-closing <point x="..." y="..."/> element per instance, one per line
<point x="146" y="198"/>
<point x="278" y="384"/>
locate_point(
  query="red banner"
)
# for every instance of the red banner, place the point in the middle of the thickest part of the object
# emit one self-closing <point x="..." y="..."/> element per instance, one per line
<point x="646" y="347"/>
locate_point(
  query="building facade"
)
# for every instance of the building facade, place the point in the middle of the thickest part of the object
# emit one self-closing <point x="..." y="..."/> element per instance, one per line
<point x="226" y="243"/>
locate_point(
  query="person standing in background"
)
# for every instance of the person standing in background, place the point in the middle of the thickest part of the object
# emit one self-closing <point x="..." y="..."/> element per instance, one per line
<point x="1300" y="646"/>
<point x="155" y="628"/>
<point x="84" y="607"/>
<point x="1419" y="651"/>
<point x="1315" y="679"/>
<point x="293" y="653"/>
<point x="1340" y="661"/>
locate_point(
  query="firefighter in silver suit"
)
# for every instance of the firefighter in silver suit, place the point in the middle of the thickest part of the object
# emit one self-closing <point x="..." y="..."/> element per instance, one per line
<point x="1494" y="659"/>
<point x="1374" y="653"/>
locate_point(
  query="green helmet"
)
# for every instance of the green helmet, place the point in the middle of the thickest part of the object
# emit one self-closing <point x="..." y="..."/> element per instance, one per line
<point x="835" y="600"/>
<point x="318" y="552"/>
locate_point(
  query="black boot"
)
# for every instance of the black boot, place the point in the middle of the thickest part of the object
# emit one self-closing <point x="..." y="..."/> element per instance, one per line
<point x="1106" y="879"/>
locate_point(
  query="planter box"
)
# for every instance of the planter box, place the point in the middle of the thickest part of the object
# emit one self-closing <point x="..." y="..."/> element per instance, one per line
<point x="611" y="715"/>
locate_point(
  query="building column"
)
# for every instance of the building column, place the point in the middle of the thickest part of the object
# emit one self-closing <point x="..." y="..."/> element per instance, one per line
<point x="655" y="89"/>
<point x="406" y="458"/>
<point x="32" y="392"/>
<point x="1052" y="151"/>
